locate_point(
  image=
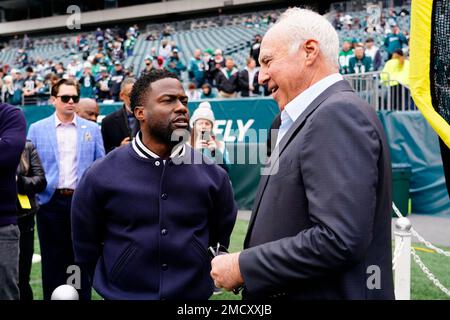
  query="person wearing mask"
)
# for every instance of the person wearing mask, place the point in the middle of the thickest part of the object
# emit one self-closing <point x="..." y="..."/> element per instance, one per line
<point x="30" y="181"/>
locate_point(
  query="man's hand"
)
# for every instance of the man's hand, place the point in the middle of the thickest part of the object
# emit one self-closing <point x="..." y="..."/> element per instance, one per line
<point x="125" y="141"/>
<point x="225" y="271"/>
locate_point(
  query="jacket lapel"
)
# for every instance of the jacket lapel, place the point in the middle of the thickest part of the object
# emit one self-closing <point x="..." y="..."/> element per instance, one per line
<point x="339" y="86"/>
<point x="122" y="121"/>
<point x="51" y="129"/>
<point x="81" y="130"/>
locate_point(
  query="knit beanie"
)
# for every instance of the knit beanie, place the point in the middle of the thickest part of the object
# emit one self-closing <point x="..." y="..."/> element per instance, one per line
<point x="203" y="111"/>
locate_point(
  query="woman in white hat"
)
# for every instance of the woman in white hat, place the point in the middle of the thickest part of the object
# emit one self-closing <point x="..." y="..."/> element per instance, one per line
<point x="203" y="138"/>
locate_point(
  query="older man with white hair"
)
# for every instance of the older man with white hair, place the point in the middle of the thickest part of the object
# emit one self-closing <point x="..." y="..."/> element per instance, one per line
<point x="321" y="225"/>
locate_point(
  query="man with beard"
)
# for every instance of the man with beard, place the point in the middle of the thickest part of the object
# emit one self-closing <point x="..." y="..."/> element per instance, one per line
<point x="144" y="216"/>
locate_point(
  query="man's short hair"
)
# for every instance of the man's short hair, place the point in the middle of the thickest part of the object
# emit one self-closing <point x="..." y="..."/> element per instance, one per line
<point x="369" y="40"/>
<point x="67" y="82"/>
<point x="143" y="86"/>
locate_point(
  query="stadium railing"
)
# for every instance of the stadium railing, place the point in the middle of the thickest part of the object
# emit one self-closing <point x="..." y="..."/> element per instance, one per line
<point x="381" y="92"/>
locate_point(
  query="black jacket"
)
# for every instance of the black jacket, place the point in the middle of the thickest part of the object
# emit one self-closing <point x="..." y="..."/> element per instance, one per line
<point x="244" y="82"/>
<point x="115" y="128"/>
<point x="30" y="178"/>
<point x="228" y="85"/>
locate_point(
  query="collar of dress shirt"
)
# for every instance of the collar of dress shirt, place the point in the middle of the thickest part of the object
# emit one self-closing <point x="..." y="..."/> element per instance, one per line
<point x="296" y="107"/>
<point x="59" y="122"/>
<point x="144" y="152"/>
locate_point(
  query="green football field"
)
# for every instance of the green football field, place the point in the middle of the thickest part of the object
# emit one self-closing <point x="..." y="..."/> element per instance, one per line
<point x="421" y="287"/>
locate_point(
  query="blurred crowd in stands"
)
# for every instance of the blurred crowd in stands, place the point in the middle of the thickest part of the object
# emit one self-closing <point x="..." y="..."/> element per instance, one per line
<point x="98" y="60"/>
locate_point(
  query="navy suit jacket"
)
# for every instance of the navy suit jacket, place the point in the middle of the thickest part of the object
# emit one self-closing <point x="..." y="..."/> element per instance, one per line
<point x="321" y="219"/>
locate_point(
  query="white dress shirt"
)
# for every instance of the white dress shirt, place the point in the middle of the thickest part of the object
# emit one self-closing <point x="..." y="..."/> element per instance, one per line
<point x="295" y="108"/>
<point x="66" y="138"/>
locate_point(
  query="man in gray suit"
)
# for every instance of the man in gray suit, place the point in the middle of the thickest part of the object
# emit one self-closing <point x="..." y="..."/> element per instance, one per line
<point x="321" y="225"/>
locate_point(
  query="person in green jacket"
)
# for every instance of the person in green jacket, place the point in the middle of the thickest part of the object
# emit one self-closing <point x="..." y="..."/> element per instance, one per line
<point x="360" y="63"/>
<point x="344" y="56"/>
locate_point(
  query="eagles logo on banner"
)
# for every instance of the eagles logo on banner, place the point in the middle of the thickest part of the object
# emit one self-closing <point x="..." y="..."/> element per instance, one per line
<point x="430" y="69"/>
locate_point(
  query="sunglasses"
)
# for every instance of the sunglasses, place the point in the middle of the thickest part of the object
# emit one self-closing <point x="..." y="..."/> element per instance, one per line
<point x="66" y="99"/>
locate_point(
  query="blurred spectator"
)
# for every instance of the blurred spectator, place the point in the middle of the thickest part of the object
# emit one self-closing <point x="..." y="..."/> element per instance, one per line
<point x="360" y="63"/>
<point x="159" y="63"/>
<point x="208" y="61"/>
<point x="18" y="84"/>
<point x="396" y="75"/>
<point x="103" y="85"/>
<point x="373" y="52"/>
<point x="22" y="58"/>
<point x="248" y="79"/>
<point x="218" y="63"/>
<point x="117" y="77"/>
<point x="227" y="80"/>
<point x="192" y="92"/>
<point x="196" y="69"/>
<point x="394" y="41"/>
<point x="207" y="92"/>
<point x="87" y="82"/>
<point x="165" y="49"/>
<point x="74" y="67"/>
<point x="7" y="90"/>
<point x="129" y="45"/>
<point x="254" y="49"/>
<point x="148" y="65"/>
<point x="345" y="55"/>
<point x="174" y="64"/>
<point x="117" y="52"/>
<point x="337" y="24"/>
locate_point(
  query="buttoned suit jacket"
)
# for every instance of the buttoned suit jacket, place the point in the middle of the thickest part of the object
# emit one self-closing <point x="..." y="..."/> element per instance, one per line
<point x="321" y="221"/>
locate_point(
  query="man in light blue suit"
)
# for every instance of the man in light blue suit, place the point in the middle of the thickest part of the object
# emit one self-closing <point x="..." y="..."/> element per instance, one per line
<point x="67" y="146"/>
